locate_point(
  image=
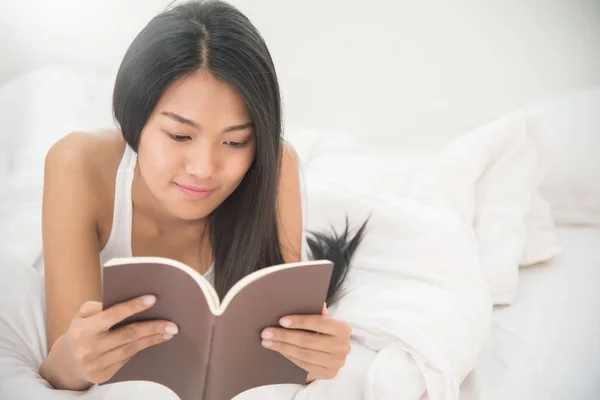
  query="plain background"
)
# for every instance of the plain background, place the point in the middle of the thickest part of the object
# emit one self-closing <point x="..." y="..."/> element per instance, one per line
<point x="408" y="74"/>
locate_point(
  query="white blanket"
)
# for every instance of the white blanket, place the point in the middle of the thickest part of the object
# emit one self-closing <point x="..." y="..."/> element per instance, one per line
<point x="417" y="294"/>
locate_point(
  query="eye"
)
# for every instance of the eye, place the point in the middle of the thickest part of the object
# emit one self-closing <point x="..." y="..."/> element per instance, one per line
<point x="236" y="145"/>
<point x="178" y="138"/>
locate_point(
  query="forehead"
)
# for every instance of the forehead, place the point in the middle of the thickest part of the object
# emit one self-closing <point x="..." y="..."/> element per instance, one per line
<point x="203" y="98"/>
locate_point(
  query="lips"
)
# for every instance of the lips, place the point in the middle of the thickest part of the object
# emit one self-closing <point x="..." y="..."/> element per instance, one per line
<point x="195" y="192"/>
<point x="195" y="188"/>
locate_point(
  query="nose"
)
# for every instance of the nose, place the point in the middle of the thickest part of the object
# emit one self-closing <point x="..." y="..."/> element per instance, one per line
<point x="201" y="161"/>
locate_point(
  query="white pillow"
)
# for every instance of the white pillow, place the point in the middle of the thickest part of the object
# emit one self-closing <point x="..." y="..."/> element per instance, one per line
<point x="491" y="176"/>
<point x="542" y="241"/>
<point x="36" y="110"/>
<point x="571" y="129"/>
<point x="13" y="100"/>
<point x="53" y="102"/>
<point x="391" y="173"/>
<point x="488" y="176"/>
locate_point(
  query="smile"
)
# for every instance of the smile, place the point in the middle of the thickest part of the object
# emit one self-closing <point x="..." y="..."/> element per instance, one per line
<point x="195" y="192"/>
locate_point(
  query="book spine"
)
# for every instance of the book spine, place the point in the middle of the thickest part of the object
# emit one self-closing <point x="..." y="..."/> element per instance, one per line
<point x="208" y="360"/>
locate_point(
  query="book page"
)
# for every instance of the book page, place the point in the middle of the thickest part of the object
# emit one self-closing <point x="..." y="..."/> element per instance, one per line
<point x="239" y="362"/>
<point x="181" y="362"/>
<point x="207" y="288"/>
<point x="247" y="280"/>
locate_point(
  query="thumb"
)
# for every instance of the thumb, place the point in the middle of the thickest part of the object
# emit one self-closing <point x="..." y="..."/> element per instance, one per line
<point x="324" y="312"/>
<point x="89" y="309"/>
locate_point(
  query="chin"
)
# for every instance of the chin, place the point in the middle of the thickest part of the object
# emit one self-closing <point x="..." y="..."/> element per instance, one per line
<point x="190" y="209"/>
<point x="190" y="213"/>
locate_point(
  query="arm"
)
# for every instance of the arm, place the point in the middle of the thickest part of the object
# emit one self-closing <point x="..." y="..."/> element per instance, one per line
<point x="289" y="207"/>
<point x="320" y="355"/>
<point x="83" y="348"/>
<point x="70" y="244"/>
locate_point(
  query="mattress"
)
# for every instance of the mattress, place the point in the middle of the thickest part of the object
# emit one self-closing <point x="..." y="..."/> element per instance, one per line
<point x="547" y="344"/>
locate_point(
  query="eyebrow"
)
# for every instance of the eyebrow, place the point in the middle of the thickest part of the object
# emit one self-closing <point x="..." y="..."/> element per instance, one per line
<point x="191" y="123"/>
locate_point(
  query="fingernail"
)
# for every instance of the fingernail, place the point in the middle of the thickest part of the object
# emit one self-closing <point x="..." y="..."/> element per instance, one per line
<point x="267" y="343"/>
<point x="172" y="329"/>
<point x="149" y="300"/>
<point x="285" y="322"/>
<point x="267" y="334"/>
<point x="167" y="337"/>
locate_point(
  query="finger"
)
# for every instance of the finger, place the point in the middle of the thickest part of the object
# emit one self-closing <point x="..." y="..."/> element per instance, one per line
<point x="125" y="352"/>
<point x="324" y="312"/>
<point x="313" y="370"/>
<point x="306" y="355"/>
<point x="307" y="340"/>
<point x="107" y="372"/>
<point x="134" y="332"/>
<point x="88" y="309"/>
<point x="117" y="313"/>
<point x="316" y="323"/>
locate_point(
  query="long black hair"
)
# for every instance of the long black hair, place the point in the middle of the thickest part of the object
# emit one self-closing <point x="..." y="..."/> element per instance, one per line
<point x="215" y="36"/>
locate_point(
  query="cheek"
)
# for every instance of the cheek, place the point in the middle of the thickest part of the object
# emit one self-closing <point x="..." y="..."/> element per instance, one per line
<point x="156" y="159"/>
<point x="236" y="167"/>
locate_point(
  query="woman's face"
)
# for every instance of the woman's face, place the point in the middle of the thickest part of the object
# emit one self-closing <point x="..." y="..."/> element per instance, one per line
<point x="196" y="146"/>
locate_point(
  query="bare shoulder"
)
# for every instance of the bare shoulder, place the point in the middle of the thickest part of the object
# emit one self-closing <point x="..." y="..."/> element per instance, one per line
<point x="289" y="206"/>
<point x="289" y="166"/>
<point x="87" y="152"/>
<point x="290" y="156"/>
<point x="76" y="196"/>
<point x="289" y="179"/>
<point x="93" y="159"/>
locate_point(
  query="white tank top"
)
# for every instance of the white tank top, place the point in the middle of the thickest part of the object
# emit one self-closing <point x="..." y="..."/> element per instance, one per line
<point x="119" y="241"/>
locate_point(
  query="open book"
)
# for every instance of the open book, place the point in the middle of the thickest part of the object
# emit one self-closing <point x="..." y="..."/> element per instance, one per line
<point x="217" y="353"/>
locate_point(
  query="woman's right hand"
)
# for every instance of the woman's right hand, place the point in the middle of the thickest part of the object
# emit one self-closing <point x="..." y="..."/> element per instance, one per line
<point x="88" y="352"/>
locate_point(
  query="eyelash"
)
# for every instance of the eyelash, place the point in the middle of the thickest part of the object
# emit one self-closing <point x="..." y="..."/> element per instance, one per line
<point x="237" y="145"/>
<point x="232" y="144"/>
<point x="178" y="138"/>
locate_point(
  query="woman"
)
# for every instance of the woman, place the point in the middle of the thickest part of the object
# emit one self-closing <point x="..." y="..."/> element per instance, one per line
<point x="196" y="172"/>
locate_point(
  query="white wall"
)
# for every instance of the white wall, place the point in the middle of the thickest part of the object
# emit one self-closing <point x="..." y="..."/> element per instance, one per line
<point x="410" y="73"/>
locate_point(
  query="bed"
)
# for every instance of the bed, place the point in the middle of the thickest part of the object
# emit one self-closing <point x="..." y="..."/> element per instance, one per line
<point x="544" y="341"/>
<point x="546" y="345"/>
<point x="544" y="337"/>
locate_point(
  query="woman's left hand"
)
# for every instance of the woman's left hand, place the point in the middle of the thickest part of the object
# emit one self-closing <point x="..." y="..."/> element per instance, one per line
<point x="321" y="354"/>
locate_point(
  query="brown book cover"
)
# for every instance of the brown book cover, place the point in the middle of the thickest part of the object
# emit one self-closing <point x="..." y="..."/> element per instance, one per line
<point x="217" y="353"/>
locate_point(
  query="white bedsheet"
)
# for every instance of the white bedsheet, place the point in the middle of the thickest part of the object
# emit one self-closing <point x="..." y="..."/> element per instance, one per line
<point x="547" y="344"/>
